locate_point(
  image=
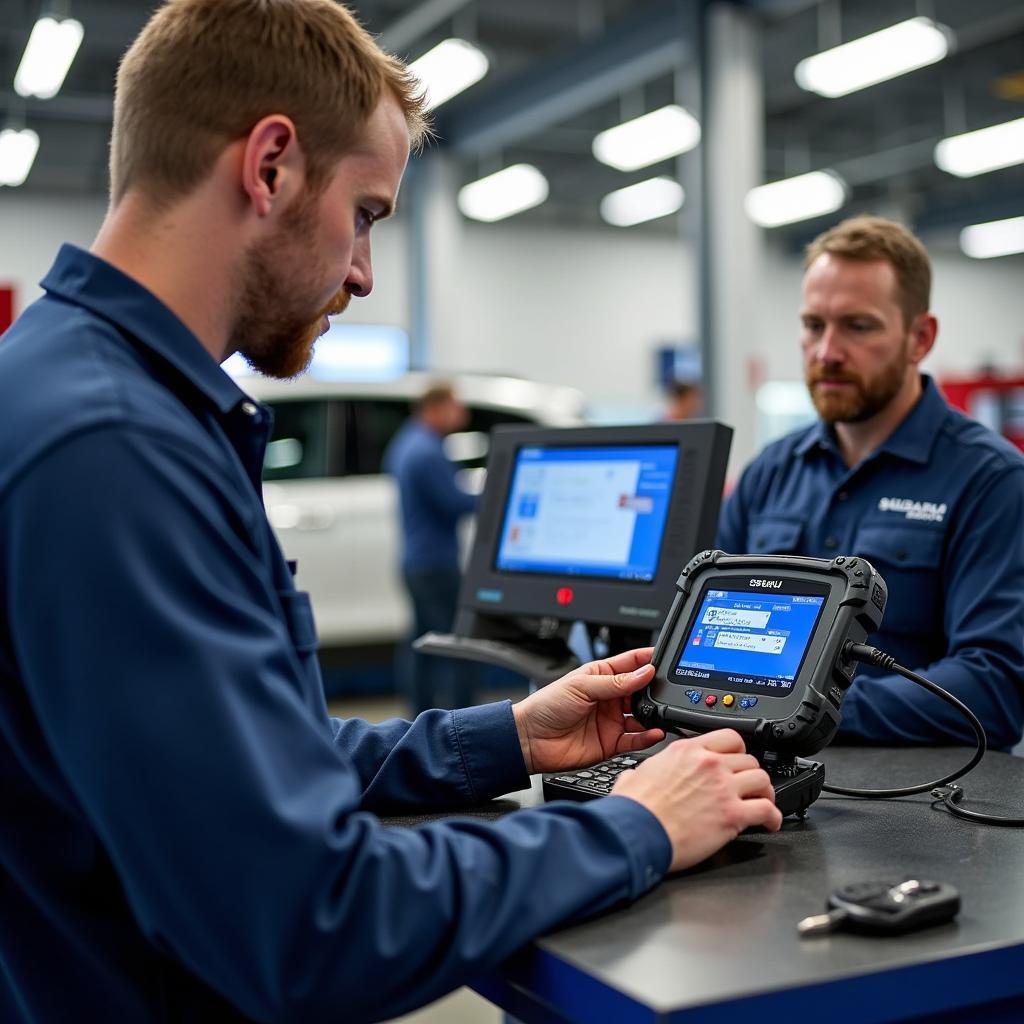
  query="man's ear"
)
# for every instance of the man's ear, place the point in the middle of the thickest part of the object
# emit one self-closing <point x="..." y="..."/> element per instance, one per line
<point x="273" y="167"/>
<point x="923" y="330"/>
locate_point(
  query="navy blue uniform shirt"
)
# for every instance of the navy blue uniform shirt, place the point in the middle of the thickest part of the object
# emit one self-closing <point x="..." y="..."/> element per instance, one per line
<point x="431" y="501"/>
<point x="186" y="834"/>
<point x="938" y="510"/>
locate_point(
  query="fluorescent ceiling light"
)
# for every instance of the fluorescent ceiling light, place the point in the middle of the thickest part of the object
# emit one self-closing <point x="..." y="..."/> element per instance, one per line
<point x="875" y="58"/>
<point x="793" y="199"/>
<point x="656" y="197"/>
<point x="17" y="151"/>
<point x="647" y="140"/>
<point x="51" y="49"/>
<point x="996" y="238"/>
<point x="987" y="149"/>
<point x="448" y="68"/>
<point x="500" y="195"/>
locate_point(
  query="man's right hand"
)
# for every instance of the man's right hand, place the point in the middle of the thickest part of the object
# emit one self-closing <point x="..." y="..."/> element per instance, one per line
<point x="704" y="791"/>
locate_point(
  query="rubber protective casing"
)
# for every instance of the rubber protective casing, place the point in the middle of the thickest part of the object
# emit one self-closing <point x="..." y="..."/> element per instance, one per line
<point x="804" y="720"/>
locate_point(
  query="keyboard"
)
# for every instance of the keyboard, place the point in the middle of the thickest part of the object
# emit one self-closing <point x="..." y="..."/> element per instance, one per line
<point x="797" y="785"/>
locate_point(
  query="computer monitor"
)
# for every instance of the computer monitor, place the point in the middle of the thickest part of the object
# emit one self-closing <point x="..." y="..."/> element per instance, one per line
<point x="592" y="524"/>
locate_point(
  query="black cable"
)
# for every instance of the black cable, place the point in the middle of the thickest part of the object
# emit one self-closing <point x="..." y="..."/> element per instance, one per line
<point x="951" y="796"/>
<point x="873" y="656"/>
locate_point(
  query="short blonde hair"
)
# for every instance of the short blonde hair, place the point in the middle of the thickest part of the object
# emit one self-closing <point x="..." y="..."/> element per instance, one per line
<point x="867" y="239"/>
<point x="204" y="72"/>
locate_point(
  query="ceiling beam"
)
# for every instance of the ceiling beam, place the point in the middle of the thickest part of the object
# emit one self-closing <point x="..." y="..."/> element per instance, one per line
<point x="94" y="108"/>
<point x="628" y="54"/>
<point x="401" y="34"/>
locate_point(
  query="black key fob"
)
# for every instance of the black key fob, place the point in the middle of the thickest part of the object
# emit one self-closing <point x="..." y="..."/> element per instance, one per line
<point x="886" y="907"/>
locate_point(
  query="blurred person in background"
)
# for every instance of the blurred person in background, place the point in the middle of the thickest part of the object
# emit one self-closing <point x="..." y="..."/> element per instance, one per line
<point x="431" y="504"/>
<point x="684" y="400"/>
<point x="892" y="473"/>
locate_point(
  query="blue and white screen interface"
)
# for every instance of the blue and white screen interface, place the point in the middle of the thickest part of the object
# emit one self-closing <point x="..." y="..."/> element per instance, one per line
<point x="744" y="639"/>
<point x="595" y="511"/>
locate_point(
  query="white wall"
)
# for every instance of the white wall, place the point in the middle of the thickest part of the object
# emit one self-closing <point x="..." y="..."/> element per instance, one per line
<point x="32" y="230"/>
<point x="585" y="307"/>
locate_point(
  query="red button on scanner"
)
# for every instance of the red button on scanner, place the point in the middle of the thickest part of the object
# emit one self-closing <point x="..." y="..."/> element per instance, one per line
<point x="710" y="699"/>
<point x="564" y="595"/>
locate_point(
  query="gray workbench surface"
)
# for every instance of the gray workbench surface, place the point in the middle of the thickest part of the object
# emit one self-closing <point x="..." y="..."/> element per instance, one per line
<point x="720" y="942"/>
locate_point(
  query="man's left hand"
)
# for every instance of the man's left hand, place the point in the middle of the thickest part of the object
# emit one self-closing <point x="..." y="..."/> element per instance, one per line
<point x="586" y="716"/>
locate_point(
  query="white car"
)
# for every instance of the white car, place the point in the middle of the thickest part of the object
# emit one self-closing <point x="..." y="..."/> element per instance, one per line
<point x="333" y="509"/>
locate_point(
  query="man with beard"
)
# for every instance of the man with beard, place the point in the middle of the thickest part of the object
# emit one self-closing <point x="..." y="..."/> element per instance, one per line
<point x="890" y="472"/>
<point x="186" y="834"/>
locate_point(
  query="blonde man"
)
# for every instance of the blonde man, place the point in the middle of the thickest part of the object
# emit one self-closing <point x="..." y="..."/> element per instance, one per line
<point x="892" y="473"/>
<point x="187" y="835"/>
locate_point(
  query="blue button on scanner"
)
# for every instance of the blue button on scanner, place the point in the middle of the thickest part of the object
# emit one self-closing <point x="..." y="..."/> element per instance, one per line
<point x="748" y="702"/>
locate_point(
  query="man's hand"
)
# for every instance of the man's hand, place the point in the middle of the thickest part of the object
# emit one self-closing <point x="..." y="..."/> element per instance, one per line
<point x="704" y="791"/>
<point x="585" y="716"/>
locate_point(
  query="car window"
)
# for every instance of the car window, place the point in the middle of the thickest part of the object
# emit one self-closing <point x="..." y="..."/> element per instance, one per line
<point x="469" y="447"/>
<point x="298" y="447"/>
<point x="371" y="423"/>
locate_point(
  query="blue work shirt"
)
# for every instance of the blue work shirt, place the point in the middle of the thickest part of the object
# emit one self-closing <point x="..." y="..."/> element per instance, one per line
<point x="186" y="834"/>
<point x="937" y="509"/>
<point x="431" y="501"/>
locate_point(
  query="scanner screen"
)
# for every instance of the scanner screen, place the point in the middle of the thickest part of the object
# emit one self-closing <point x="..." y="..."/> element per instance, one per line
<point x="749" y="641"/>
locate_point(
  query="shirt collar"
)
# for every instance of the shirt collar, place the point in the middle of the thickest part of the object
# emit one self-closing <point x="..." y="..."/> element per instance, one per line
<point x="86" y="280"/>
<point x="911" y="440"/>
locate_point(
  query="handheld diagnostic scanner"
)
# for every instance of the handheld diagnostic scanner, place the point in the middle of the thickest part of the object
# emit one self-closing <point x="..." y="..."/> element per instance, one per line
<point x="757" y="643"/>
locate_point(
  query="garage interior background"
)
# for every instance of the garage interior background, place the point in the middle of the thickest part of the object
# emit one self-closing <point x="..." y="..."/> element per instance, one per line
<point x="555" y="293"/>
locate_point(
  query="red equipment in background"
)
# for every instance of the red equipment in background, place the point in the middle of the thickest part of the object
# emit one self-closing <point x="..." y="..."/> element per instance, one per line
<point x="6" y="307"/>
<point x="998" y="402"/>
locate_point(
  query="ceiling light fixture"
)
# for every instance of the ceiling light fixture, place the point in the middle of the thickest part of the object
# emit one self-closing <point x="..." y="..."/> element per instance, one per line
<point x="995" y="238"/>
<point x="647" y="140"/>
<point x="794" y="199"/>
<point x="648" y="200"/>
<point x="449" y="68"/>
<point x="504" y="193"/>
<point x="986" y="149"/>
<point x="874" y="58"/>
<point x="17" y="152"/>
<point x="48" y="55"/>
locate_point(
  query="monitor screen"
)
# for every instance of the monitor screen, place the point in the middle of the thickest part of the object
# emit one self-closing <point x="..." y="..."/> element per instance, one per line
<point x="596" y="511"/>
<point x="749" y="641"/>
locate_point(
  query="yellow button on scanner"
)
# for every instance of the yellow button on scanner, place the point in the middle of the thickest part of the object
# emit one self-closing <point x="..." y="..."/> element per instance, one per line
<point x="728" y="700"/>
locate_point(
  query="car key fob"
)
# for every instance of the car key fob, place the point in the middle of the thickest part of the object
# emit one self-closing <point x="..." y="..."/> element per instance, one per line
<point x="885" y="907"/>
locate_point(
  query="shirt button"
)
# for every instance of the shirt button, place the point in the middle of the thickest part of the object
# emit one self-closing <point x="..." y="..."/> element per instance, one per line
<point x="843" y="495"/>
<point x="831" y="542"/>
<point x="250" y="409"/>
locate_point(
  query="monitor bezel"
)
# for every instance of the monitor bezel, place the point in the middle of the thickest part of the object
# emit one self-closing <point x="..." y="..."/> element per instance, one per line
<point x="691" y="523"/>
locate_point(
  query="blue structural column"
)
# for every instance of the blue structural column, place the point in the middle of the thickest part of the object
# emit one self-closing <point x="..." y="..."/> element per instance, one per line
<point x="730" y="250"/>
<point x="434" y="260"/>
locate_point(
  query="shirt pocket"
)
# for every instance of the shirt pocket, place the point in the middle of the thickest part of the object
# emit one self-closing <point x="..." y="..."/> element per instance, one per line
<point x="910" y="561"/>
<point x="773" y="537"/>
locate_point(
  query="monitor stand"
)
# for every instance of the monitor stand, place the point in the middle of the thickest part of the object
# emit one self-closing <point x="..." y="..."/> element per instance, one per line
<point x="536" y="648"/>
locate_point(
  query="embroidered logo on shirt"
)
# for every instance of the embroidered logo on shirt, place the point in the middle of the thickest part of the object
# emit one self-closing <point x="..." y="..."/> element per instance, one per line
<point x="923" y="511"/>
